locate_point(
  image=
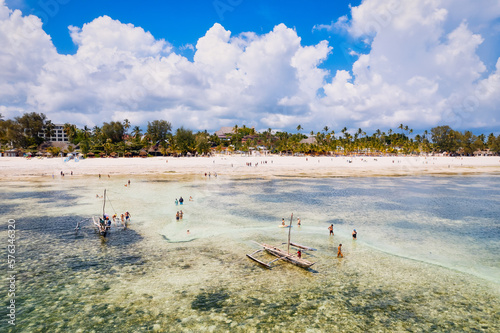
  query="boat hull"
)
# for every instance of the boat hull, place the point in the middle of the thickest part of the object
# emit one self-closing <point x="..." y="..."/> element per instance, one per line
<point x="293" y="259"/>
<point x="102" y="231"/>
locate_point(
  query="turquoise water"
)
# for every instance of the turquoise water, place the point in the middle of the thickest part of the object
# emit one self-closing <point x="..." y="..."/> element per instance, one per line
<point x="426" y="258"/>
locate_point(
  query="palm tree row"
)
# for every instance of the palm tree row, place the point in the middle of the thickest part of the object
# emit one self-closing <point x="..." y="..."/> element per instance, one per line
<point x="113" y="138"/>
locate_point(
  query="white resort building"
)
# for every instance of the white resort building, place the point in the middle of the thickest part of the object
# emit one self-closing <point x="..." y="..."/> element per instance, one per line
<point x="58" y="134"/>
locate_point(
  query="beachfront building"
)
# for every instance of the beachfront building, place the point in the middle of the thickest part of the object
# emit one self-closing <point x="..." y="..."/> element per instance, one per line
<point x="310" y="140"/>
<point x="225" y="133"/>
<point x="58" y="134"/>
<point x="12" y="153"/>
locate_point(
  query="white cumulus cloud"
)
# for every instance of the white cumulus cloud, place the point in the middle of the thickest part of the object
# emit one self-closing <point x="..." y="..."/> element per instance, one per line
<point x="420" y="67"/>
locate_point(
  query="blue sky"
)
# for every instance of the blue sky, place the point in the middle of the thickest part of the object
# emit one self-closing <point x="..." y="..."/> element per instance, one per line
<point x="268" y="64"/>
<point x="184" y="22"/>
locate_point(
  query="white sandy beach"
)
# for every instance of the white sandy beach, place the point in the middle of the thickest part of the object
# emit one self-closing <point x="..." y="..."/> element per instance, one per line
<point x="265" y="166"/>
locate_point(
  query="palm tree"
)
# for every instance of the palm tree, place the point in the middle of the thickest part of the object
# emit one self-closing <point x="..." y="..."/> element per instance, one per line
<point x="49" y="129"/>
<point x="86" y="132"/>
<point x="108" y="146"/>
<point x="96" y="131"/>
<point x="325" y="129"/>
<point x="137" y="132"/>
<point x="126" y="125"/>
<point x="299" y="128"/>
<point x="70" y="131"/>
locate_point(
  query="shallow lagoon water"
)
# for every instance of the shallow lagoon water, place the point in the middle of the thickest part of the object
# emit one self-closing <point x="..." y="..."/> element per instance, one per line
<point x="426" y="258"/>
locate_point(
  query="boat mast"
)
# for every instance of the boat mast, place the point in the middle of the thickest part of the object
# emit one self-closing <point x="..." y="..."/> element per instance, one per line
<point x="104" y="205"/>
<point x="289" y="231"/>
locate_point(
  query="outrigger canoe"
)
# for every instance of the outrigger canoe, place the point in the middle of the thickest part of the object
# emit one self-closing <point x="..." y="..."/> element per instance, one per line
<point x="283" y="255"/>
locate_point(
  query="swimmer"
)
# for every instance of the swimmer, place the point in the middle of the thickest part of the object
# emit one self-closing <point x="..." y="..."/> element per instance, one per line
<point x="282" y="221"/>
<point x="331" y="230"/>
<point x="298" y="220"/>
<point x="299" y="254"/>
<point x="354" y="234"/>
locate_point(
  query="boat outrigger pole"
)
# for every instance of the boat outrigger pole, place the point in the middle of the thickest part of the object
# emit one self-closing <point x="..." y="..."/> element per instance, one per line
<point x="289" y="231"/>
<point x="104" y="205"/>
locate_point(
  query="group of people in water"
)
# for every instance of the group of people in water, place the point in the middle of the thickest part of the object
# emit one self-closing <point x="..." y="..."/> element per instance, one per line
<point x="284" y="224"/>
<point x="179" y="214"/>
<point x="339" y="248"/>
<point x="181" y="200"/>
<point x="330" y="229"/>
<point x="105" y="221"/>
<point x="124" y="218"/>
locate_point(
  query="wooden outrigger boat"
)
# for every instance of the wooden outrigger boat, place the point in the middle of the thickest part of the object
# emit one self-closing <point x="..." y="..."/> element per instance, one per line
<point x="282" y="254"/>
<point x="101" y="222"/>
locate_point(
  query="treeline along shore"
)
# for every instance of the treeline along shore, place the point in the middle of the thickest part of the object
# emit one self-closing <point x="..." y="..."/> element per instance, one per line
<point x="32" y="134"/>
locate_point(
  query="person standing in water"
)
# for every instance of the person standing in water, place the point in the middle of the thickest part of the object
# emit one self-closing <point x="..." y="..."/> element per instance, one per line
<point x="299" y="254"/>
<point x="331" y="230"/>
<point x="298" y="220"/>
<point x="339" y="252"/>
<point x="282" y="221"/>
<point x="354" y="234"/>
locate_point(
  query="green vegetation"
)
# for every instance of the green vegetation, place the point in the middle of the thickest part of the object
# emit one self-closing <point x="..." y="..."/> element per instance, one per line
<point x="27" y="133"/>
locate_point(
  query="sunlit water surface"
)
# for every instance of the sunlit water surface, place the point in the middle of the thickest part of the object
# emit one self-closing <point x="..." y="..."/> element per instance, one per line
<point x="426" y="258"/>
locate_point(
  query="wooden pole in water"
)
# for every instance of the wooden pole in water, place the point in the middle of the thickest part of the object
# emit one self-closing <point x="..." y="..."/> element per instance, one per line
<point x="289" y="231"/>
<point x="104" y="205"/>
